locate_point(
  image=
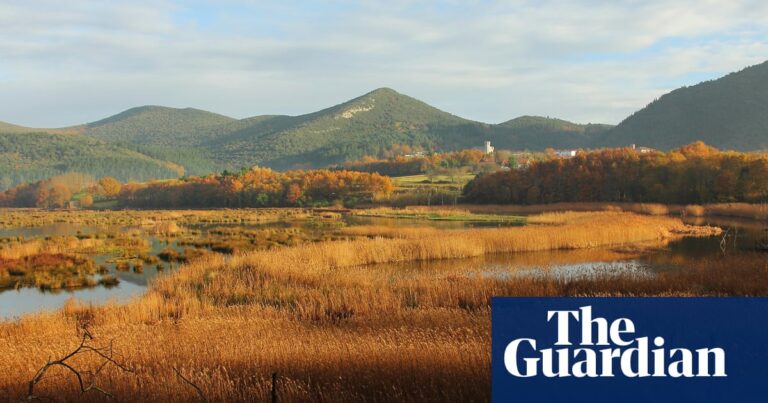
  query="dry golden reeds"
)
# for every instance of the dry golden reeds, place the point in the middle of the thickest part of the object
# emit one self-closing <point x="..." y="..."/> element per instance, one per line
<point x="740" y="210"/>
<point x="333" y="326"/>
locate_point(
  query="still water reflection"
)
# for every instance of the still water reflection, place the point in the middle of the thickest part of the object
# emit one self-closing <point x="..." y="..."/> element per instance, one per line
<point x="741" y="236"/>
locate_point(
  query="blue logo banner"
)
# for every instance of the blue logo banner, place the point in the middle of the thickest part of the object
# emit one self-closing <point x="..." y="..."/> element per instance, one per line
<point x="629" y="350"/>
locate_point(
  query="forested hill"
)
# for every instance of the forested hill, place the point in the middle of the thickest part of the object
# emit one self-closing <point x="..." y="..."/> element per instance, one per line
<point x="30" y="157"/>
<point x="374" y="122"/>
<point x="364" y="125"/>
<point x="537" y="133"/>
<point x="728" y="113"/>
<point x="158" y="125"/>
<point x="203" y="142"/>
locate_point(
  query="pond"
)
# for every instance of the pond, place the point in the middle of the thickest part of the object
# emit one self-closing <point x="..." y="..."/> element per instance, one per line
<point x="193" y="239"/>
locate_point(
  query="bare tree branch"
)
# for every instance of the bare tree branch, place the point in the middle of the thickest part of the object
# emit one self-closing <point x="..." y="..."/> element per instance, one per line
<point x="192" y="384"/>
<point x="88" y="383"/>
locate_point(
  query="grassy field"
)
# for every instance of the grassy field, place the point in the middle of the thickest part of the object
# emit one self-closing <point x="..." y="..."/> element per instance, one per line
<point x="427" y="190"/>
<point x="329" y="323"/>
<point x="433" y="180"/>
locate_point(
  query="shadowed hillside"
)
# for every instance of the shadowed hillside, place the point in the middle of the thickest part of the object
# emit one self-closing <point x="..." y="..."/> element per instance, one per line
<point x="728" y="113"/>
<point x="29" y="157"/>
<point x="537" y="133"/>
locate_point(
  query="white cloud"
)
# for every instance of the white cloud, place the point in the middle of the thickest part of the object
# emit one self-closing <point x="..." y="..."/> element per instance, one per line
<point x="67" y="62"/>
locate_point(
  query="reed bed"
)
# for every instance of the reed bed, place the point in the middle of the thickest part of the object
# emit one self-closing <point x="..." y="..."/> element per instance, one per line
<point x="148" y="218"/>
<point x="341" y="321"/>
<point x="436" y="214"/>
<point x="739" y="210"/>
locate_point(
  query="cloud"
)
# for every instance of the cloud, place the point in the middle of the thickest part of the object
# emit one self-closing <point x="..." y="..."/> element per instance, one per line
<point x="68" y="62"/>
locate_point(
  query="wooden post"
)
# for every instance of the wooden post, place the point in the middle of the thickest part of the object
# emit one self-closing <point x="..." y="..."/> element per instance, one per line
<point x="274" y="387"/>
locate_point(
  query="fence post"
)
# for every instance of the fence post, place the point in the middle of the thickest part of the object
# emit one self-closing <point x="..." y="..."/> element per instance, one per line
<point x="274" y="387"/>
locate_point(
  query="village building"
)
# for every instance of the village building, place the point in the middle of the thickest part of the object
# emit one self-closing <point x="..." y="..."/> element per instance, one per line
<point x="488" y="148"/>
<point x="566" y="153"/>
<point x="643" y="150"/>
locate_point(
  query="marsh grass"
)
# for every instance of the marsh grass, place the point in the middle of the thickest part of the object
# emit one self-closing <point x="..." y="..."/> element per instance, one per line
<point x="739" y="210"/>
<point x="125" y="241"/>
<point x="438" y="214"/>
<point x="47" y="272"/>
<point x="342" y="321"/>
<point x="157" y="220"/>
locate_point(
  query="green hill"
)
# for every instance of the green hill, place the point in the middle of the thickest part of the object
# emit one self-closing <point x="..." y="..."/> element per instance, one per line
<point x="376" y="121"/>
<point x="728" y="113"/>
<point x="158" y="125"/>
<point x="29" y="157"/>
<point x="537" y="133"/>
<point x="203" y="142"/>
<point x="164" y="133"/>
<point x="364" y="125"/>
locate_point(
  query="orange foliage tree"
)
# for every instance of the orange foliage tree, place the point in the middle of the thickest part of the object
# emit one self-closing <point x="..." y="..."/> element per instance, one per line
<point x="694" y="174"/>
<point x="258" y="187"/>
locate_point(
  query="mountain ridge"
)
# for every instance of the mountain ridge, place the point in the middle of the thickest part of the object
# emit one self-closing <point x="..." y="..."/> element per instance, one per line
<point x="730" y="112"/>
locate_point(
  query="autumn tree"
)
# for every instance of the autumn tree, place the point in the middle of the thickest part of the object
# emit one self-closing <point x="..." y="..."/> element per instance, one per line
<point x="55" y="196"/>
<point x="694" y="174"/>
<point x="109" y="187"/>
<point x="86" y="200"/>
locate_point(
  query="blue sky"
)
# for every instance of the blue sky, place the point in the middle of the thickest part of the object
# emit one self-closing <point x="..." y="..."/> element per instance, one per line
<point x="64" y="63"/>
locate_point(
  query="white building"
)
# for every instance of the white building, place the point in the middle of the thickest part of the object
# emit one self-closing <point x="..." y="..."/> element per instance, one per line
<point x="488" y="147"/>
<point x="642" y="150"/>
<point x="566" y="153"/>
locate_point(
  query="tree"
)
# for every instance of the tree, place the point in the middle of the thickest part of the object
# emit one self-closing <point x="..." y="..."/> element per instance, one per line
<point x="109" y="186"/>
<point x="694" y="174"/>
<point x="57" y="196"/>
<point x="86" y="200"/>
<point x="293" y="194"/>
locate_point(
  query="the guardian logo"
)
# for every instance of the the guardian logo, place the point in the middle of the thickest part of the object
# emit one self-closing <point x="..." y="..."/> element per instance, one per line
<point x="589" y="346"/>
<point x="633" y="350"/>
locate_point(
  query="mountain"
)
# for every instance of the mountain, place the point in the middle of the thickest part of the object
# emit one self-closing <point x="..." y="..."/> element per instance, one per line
<point x="361" y="126"/>
<point x="727" y="113"/>
<point x="29" y="157"/>
<point x="164" y="141"/>
<point x="163" y="133"/>
<point x="158" y="125"/>
<point x="375" y="121"/>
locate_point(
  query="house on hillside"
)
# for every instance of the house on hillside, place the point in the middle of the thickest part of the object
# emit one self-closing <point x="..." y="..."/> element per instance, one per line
<point x="566" y="153"/>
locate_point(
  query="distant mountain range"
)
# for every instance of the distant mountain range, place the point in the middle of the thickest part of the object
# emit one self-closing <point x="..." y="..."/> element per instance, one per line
<point x="160" y="142"/>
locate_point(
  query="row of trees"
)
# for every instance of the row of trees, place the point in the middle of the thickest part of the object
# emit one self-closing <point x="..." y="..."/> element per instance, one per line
<point x="57" y="191"/>
<point x="402" y="165"/>
<point x="258" y="187"/>
<point x="694" y="174"/>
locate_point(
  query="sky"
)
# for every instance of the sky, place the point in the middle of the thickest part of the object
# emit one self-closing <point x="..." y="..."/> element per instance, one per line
<point x="69" y="62"/>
